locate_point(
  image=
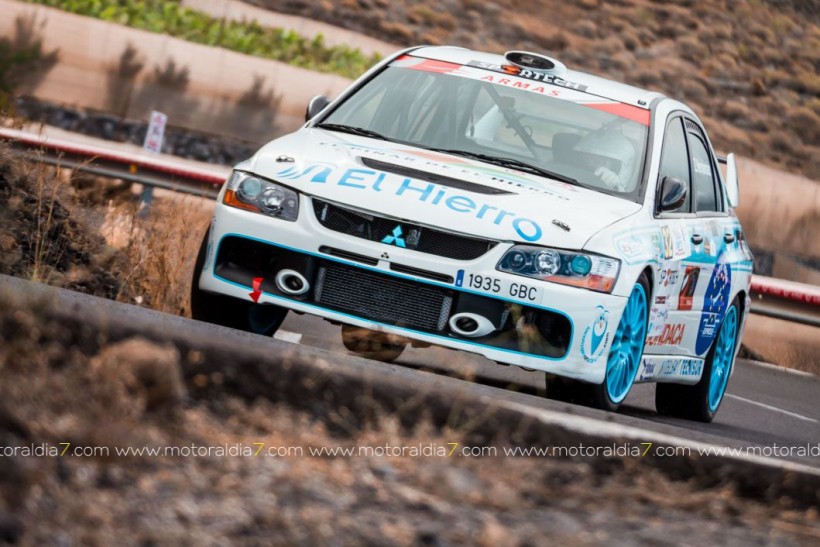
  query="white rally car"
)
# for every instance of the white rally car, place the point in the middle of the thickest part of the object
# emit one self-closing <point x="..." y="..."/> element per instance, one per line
<point x="501" y="205"/>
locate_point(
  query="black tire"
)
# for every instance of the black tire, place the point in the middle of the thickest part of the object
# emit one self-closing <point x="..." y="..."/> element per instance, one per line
<point x="567" y="390"/>
<point x="371" y="344"/>
<point x="693" y="402"/>
<point x="227" y="311"/>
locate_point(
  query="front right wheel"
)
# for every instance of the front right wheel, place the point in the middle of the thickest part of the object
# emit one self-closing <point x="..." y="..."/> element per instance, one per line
<point x="626" y="350"/>
<point x="227" y="311"/>
<point x="701" y="401"/>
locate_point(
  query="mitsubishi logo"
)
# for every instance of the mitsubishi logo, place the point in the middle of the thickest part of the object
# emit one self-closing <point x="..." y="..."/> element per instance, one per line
<point x="396" y="238"/>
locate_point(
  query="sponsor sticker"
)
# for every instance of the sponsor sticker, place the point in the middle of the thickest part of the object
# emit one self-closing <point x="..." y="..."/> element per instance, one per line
<point x="595" y="336"/>
<point x="680" y="248"/>
<point x="715" y="303"/>
<point x="680" y="367"/>
<point x="414" y="192"/>
<point x="687" y="290"/>
<point x="671" y="335"/>
<point x="668" y="249"/>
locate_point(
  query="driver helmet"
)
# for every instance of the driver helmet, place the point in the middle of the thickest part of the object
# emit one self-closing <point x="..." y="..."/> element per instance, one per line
<point x="611" y="151"/>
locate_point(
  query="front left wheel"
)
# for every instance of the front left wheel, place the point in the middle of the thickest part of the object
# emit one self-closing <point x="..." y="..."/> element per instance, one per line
<point x="622" y="363"/>
<point x="227" y="311"/>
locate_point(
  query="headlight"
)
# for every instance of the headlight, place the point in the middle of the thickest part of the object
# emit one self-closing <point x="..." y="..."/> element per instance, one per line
<point x="580" y="270"/>
<point x="252" y="193"/>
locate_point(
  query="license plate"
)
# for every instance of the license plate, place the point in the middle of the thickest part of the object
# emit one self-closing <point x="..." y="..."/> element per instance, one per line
<point x="500" y="287"/>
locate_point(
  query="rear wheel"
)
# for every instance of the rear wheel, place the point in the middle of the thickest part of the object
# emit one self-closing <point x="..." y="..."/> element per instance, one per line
<point x="701" y="401"/>
<point x="372" y="344"/>
<point x="231" y="312"/>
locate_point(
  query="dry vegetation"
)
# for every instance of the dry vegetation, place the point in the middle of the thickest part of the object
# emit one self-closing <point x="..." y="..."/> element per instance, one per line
<point x="749" y="67"/>
<point x="87" y="235"/>
<point x="60" y="383"/>
<point x="43" y="235"/>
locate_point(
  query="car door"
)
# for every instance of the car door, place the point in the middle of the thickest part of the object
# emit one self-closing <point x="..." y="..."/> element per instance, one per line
<point x="674" y="311"/>
<point x="717" y="251"/>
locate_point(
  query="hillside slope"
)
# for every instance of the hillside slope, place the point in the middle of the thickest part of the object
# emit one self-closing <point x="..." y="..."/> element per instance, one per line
<point x="748" y="67"/>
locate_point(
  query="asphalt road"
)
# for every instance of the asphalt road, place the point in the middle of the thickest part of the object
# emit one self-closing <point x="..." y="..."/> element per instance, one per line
<point x="765" y="406"/>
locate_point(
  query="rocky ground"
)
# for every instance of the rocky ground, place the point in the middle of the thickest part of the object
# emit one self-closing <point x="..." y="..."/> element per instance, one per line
<point x="748" y="67"/>
<point x="90" y="235"/>
<point x="63" y="383"/>
<point x="44" y="238"/>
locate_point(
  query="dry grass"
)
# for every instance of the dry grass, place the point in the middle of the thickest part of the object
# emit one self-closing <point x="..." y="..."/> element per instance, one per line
<point x="66" y="229"/>
<point x="100" y="396"/>
<point x="159" y="250"/>
<point x="44" y="231"/>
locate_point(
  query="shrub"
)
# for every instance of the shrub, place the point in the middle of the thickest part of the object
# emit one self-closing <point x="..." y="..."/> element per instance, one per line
<point x="250" y="38"/>
<point x="586" y="28"/>
<point x="22" y="60"/>
<point x="806" y="124"/>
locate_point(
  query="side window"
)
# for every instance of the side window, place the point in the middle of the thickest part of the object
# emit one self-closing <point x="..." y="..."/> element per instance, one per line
<point x="675" y="160"/>
<point x="702" y="175"/>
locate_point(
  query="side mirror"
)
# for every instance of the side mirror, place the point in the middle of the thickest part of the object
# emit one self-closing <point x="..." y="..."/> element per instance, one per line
<point x="316" y="105"/>
<point x="732" y="190"/>
<point x="673" y="193"/>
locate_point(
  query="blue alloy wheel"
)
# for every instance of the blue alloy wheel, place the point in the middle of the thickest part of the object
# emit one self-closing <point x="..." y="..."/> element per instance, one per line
<point x="724" y="353"/>
<point x="627" y="347"/>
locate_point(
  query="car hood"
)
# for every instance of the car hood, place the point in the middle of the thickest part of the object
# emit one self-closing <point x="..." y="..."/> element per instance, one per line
<point x="438" y="190"/>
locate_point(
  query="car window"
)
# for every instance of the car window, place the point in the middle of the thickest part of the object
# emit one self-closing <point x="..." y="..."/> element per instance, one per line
<point x="702" y="175"/>
<point x="675" y="160"/>
<point x="599" y="143"/>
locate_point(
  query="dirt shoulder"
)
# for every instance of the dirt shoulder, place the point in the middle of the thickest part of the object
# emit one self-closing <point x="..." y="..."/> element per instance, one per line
<point x="65" y="387"/>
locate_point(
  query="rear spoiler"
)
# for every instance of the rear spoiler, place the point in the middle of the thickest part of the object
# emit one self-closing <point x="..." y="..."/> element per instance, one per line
<point x="732" y="188"/>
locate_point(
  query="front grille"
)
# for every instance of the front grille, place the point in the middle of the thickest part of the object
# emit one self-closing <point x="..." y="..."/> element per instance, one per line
<point x="410" y="236"/>
<point x="385" y="299"/>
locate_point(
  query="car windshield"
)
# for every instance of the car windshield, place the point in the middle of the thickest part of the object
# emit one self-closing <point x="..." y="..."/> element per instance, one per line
<point x="549" y="129"/>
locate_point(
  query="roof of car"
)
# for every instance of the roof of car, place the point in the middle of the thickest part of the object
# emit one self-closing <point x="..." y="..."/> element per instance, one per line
<point x="595" y="85"/>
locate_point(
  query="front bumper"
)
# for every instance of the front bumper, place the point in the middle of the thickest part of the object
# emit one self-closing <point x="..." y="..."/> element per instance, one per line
<point x="555" y="328"/>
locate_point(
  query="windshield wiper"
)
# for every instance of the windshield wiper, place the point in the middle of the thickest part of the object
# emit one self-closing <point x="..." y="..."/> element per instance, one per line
<point x="511" y="162"/>
<point x="353" y="130"/>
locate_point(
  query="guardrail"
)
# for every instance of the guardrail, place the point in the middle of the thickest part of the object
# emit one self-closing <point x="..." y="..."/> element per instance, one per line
<point x="143" y="168"/>
<point x="777" y="298"/>
<point x="787" y="300"/>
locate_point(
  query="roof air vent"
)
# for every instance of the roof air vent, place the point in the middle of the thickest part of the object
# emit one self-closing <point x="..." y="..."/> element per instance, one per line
<point x="536" y="61"/>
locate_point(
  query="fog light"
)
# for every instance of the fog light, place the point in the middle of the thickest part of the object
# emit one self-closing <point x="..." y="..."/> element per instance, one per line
<point x="467" y="324"/>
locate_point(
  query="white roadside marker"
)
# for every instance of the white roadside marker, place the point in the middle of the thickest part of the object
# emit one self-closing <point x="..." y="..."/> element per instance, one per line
<point x="287" y="336"/>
